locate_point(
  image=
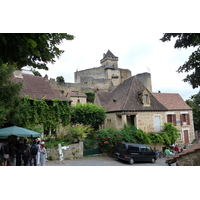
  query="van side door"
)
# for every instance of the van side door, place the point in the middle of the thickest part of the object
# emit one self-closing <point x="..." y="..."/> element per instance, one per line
<point x="133" y="152"/>
<point x="143" y="153"/>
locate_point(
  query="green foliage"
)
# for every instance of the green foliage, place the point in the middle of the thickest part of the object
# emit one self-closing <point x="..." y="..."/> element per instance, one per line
<point x="185" y="40"/>
<point x="194" y="103"/>
<point x="51" y="114"/>
<point x="156" y="138"/>
<point x="90" y="96"/>
<point x="74" y="134"/>
<point x="60" y="79"/>
<point x="52" y="142"/>
<point x="36" y="73"/>
<point x="9" y="96"/>
<point x="88" y="114"/>
<point x="31" y="49"/>
<point x="109" y="138"/>
<point x="78" y="132"/>
<point x="170" y="135"/>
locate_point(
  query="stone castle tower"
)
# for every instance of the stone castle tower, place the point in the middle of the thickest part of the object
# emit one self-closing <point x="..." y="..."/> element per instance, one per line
<point x="106" y="77"/>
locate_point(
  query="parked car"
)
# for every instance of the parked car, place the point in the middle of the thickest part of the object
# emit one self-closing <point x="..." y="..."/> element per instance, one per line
<point x="131" y="153"/>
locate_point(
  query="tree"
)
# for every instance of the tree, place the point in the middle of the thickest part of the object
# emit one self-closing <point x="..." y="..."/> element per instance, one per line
<point x="31" y="49"/>
<point x="194" y="103"/>
<point x="185" y="40"/>
<point x="88" y="114"/>
<point x="60" y="79"/>
<point x="9" y="97"/>
<point x="36" y="73"/>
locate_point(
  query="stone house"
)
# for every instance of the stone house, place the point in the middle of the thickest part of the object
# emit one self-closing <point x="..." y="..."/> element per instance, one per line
<point x="37" y="87"/>
<point x="76" y="97"/>
<point x="133" y="103"/>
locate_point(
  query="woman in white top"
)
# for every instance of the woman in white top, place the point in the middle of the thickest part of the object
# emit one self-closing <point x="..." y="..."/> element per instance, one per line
<point x="42" y="154"/>
<point x="38" y="140"/>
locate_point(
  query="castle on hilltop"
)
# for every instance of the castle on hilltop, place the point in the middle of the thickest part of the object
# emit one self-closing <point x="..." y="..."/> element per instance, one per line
<point x="104" y="78"/>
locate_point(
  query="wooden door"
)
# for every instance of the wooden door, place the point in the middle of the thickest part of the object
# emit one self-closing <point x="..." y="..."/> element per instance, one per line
<point x="186" y="138"/>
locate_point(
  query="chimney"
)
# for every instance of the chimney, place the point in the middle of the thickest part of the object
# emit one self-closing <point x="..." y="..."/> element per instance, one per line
<point x="145" y="79"/>
<point x="46" y="77"/>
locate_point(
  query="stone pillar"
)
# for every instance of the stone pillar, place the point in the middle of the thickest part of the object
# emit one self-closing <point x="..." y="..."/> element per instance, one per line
<point x="124" y="120"/>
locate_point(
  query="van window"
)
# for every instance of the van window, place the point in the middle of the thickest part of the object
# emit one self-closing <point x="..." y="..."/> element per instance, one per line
<point x="143" y="149"/>
<point x="133" y="149"/>
<point x="149" y="149"/>
<point x="123" y="147"/>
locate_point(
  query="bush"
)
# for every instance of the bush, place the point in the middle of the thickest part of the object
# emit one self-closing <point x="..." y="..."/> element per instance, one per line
<point x="88" y="114"/>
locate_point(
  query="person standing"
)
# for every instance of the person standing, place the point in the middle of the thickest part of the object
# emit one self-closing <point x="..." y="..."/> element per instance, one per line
<point x="26" y="154"/>
<point x="38" y="140"/>
<point x="42" y="154"/>
<point x="33" y="153"/>
<point x="4" y="152"/>
<point x="12" y="150"/>
<point x="19" y="147"/>
<point x="176" y="149"/>
<point x="167" y="152"/>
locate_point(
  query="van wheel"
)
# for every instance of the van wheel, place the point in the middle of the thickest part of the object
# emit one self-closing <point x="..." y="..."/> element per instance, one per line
<point x="153" y="160"/>
<point x="131" y="161"/>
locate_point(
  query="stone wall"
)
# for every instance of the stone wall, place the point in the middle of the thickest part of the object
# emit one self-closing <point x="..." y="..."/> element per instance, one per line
<point x="74" y="151"/>
<point x="145" y="122"/>
<point x="190" y="159"/>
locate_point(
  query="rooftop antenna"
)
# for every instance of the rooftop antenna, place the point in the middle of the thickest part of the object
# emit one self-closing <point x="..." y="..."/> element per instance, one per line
<point x="148" y="69"/>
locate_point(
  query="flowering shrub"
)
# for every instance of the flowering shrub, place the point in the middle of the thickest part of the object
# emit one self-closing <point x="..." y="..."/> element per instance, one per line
<point x="109" y="138"/>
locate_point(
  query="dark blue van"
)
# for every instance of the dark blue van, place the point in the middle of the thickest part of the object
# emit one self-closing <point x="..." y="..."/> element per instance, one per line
<point x="132" y="152"/>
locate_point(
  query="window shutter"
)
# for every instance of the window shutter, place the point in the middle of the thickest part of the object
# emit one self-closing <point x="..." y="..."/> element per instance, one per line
<point x="174" y="119"/>
<point x="188" y="119"/>
<point x="181" y="119"/>
<point x="167" y="118"/>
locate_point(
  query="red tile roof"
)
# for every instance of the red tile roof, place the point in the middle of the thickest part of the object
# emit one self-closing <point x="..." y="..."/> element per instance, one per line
<point x="172" y="101"/>
<point x="36" y="87"/>
<point x="76" y="94"/>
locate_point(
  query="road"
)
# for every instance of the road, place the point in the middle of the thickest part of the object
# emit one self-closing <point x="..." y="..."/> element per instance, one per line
<point x="102" y="161"/>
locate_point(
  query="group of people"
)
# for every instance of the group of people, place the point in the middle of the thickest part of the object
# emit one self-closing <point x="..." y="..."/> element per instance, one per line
<point x="16" y="152"/>
<point x="173" y="151"/>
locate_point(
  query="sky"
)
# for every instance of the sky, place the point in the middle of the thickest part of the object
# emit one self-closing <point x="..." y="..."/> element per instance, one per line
<point x="130" y="29"/>
<point x="132" y="32"/>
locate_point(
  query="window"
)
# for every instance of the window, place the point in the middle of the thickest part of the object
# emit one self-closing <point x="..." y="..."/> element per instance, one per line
<point x="149" y="149"/>
<point x="171" y="118"/>
<point x="78" y="100"/>
<point x="143" y="149"/>
<point x="185" y="119"/>
<point x="108" y="121"/>
<point x="133" y="149"/>
<point x="145" y="99"/>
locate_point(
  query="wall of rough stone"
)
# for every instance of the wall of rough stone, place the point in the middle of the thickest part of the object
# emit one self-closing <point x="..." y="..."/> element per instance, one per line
<point x="145" y="122"/>
<point x="74" y="151"/>
<point x="191" y="159"/>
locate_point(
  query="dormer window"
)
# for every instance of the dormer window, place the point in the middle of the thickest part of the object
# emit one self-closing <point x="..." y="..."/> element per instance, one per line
<point x="145" y="98"/>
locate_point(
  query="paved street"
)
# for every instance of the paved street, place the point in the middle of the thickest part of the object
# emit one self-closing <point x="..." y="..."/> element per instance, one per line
<point x="102" y="161"/>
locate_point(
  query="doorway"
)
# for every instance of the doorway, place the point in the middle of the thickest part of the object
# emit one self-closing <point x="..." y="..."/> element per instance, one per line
<point x="186" y="137"/>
